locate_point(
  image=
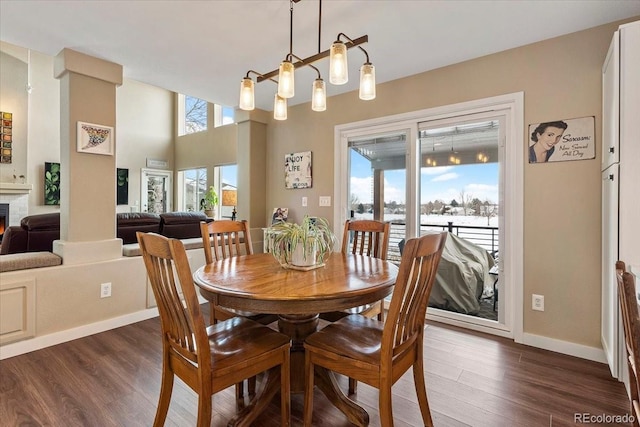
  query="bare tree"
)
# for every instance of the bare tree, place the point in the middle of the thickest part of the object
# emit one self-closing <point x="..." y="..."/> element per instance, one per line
<point x="354" y="201"/>
<point x="489" y="210"/>
<point x="195" y="115"/>
<point x="465" y="201"/>
<point x="476" y="205"/>
<point x="437" y="205"/>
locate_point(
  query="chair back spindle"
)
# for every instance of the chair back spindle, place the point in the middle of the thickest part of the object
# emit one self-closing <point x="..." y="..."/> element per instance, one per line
<point x="225" y="238"/>
<point x="368" y="237"/>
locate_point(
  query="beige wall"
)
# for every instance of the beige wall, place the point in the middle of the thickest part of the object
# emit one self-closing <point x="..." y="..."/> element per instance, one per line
<point x="561" y="79"/>
<point x="44" y="128"/>
<point x="215" y="147"/>
<point x="144" y="116"/>
<point x="13" y="99"/>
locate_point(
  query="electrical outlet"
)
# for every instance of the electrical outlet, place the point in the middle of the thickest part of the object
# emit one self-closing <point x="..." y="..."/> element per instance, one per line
<point x="304" y="202"/>
<point x="325" y="201"/>
<point x="537" y="302"/>
<point x="105" y="290"/>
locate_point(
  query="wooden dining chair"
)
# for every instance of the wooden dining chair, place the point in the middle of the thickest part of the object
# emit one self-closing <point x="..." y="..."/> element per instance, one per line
<point x="631" y="325"/>
<point x="370" y="238"/>
<point x="224" y="239"/>
<point x="207" y="359"/>
<point x="378" y="353"/>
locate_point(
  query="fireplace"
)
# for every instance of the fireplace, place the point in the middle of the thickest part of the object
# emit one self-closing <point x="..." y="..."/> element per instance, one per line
<point x="4" y="218"/>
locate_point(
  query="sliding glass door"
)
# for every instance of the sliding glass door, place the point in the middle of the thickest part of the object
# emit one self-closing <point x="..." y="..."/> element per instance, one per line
<point x="457" y="169"/>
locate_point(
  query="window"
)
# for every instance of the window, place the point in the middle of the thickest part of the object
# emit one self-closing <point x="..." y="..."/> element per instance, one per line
<point x="193" y="183"/>
<point x="193" y="115"/>
<point x="223" y="115"/>
<point x="226" y="183"/>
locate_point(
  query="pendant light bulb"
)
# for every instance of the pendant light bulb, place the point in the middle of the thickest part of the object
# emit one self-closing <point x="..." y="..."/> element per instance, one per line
<point x="319" y="96"/>
<point x="279" y="108"/>
<point x="338" y="67"/>
<point x="367" y="82"/>
<point x="247" y="94"/>
<point x="286" y="79"/>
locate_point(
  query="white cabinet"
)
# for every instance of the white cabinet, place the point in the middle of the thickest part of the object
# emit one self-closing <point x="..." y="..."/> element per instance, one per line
<point x="620" y="179"/>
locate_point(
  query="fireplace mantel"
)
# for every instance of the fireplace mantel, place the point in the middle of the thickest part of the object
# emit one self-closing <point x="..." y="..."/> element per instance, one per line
<point x="15" y="188"/>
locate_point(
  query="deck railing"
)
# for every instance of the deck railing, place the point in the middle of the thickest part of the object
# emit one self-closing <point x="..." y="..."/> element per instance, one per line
<point x="485" y="237"/>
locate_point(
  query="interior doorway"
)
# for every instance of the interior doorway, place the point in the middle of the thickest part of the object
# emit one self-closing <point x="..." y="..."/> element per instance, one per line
<point x="156" y="190"/>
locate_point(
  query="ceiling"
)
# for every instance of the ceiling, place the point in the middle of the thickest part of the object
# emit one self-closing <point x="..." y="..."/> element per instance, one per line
<point x="204" y="48"/>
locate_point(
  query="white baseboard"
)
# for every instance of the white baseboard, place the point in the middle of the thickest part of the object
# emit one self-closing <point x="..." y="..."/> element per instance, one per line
<point x="572" y="349"/>
<point x="37" y="343"/>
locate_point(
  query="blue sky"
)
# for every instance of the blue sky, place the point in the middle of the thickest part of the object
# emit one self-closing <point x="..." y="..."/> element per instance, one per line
<point x="442" y="182"/>
<point x="230" y="175"/>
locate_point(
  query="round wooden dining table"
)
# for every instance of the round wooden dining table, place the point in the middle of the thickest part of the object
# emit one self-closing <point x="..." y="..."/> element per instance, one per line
<point x="258" y="283"/>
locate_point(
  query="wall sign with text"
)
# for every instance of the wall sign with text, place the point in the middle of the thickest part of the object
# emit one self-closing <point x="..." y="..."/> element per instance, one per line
<point x="297" y="170"/>
<point x="562" y="140"/>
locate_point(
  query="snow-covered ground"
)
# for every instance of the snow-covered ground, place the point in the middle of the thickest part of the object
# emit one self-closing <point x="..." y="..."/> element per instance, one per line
<point x="469" y="220"/>
<point x="485" y="238"/>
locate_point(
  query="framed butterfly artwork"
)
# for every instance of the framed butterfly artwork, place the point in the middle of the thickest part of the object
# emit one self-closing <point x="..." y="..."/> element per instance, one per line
<point x="95" y="139"/>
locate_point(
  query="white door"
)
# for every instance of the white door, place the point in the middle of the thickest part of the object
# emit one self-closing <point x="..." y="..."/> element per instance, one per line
<point x="156" y="190"/>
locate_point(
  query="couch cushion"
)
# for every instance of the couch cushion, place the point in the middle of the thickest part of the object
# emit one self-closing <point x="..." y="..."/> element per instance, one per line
<point x="41" y="222"/>
<point x="42" y="229"/>
<point x="14" y="240"/>
<point x="28" y="260"/>
<point x="181" y="225"/>
<point x="128" y="223"/>
<point x="133" y="249"/>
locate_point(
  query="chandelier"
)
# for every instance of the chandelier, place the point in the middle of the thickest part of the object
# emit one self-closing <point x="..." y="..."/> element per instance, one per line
<point x="338" y="73"/>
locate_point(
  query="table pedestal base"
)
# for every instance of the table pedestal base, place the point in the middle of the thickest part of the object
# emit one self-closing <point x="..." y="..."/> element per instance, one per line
<point x="299" y="327"/>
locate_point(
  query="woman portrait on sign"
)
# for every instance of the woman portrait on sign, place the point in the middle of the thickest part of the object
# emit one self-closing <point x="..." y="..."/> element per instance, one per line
<point x="545" y="137"/>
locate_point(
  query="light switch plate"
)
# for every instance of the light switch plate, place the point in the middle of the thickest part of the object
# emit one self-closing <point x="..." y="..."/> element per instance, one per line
<point x="325" y="201"/>
<point x="304" y="202"/>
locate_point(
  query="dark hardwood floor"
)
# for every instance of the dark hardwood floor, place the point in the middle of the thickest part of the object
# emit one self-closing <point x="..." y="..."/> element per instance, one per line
<point x="113" y="379"/>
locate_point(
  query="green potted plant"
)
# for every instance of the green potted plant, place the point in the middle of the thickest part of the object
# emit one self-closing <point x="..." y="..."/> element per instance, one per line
<point x="209" y="202"/>
<point x="302" y="245"/>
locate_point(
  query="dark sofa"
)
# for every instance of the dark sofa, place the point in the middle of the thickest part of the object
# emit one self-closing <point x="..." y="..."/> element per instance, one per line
<point x="36" y="233"/>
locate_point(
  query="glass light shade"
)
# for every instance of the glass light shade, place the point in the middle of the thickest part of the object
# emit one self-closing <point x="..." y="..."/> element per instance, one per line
<point x="280" y="108"/>
<point x="247" y="97"/>
<point x="319" y="96"/>
<point x="367" y="82"/>
<point x="338" y="67"/>
<point x="285" y="80"/>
